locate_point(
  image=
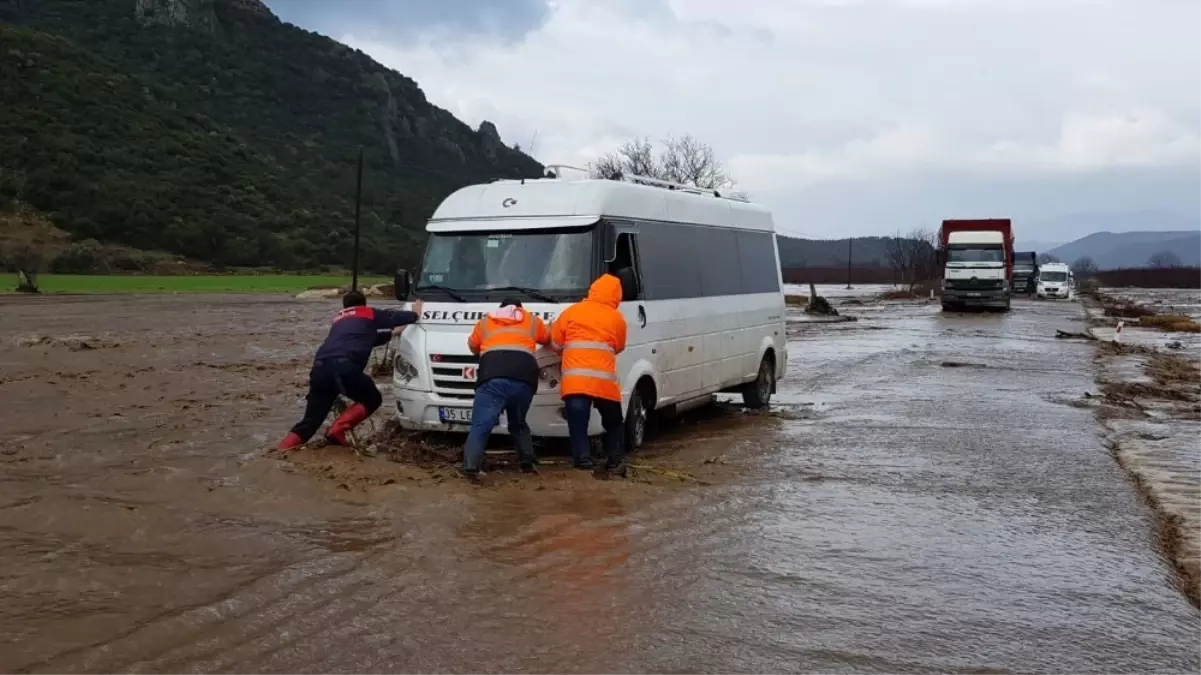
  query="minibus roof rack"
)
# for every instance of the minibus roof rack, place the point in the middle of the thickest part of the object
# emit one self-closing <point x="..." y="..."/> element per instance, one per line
<point x="555" y="170"/>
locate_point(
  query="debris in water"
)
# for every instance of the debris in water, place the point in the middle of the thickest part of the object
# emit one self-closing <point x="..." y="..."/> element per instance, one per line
<point x="1063" y="334"/>
<point x="898" y="295"/>
<point x="678" y="475"/>
<point x="962" y="364"/>
<point x="818" y="304"/>
<point x="73" y="342"/>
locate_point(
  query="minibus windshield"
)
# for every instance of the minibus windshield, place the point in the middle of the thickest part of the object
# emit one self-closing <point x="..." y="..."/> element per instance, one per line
<point x="480" y="265"/>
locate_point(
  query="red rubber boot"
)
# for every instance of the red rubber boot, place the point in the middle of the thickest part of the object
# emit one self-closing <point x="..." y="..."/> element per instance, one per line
<point x="345" y="422"/>
<point x="291" y="442"/>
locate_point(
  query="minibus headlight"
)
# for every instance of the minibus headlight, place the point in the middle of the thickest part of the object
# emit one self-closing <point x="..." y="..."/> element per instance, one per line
<point x="403" y="370"/>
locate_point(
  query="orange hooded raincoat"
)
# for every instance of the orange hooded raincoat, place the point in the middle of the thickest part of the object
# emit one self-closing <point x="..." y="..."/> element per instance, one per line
<point x="590" y="334"/>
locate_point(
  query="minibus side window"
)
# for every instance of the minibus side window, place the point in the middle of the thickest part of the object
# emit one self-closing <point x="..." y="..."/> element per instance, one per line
<point x="627" y="257"/>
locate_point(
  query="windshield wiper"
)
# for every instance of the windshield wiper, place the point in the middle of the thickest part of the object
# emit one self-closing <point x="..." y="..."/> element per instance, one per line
<point x="449" y="291"/>
<point x="532" y="292"/>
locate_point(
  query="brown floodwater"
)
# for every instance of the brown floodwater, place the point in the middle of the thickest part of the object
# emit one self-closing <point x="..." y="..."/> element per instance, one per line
<point x="895" y="514"/>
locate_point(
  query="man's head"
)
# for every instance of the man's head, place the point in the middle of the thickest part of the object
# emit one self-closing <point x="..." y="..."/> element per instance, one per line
<point x="354" y="299"/>
<point x="510" y="302"/>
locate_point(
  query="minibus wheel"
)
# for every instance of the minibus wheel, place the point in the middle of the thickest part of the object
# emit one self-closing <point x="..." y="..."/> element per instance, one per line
<point x="757" y="394"/>
<point x="637" y="419"/>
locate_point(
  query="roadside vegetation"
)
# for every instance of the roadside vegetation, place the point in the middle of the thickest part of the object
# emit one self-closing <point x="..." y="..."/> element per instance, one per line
<point x="1151" y="277"/>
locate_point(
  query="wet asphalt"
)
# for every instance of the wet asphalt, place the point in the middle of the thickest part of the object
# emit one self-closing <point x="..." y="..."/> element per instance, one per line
<point x="925" y="498"/>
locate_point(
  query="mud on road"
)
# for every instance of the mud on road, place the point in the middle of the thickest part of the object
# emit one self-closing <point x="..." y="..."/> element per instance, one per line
<point x="1151" y="413"/>
<point x="893" y="514"/>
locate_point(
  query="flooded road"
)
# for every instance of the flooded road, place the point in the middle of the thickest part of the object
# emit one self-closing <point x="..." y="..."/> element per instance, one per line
<point x="926" y="498"/>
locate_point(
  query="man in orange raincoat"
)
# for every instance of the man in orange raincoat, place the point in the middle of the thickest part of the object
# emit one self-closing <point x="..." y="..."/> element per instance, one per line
<point x="590" y="334"/>
<point x="505" y="339"/>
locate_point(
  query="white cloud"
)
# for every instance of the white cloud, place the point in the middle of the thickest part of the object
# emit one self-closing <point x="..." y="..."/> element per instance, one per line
<point x="798" y="94"/>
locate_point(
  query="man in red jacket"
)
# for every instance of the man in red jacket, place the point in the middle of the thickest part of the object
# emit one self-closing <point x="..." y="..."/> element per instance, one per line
<point x="338" y="369"/>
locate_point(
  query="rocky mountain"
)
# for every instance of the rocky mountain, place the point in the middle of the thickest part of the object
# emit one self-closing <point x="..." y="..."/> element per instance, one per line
<point x="209" y="128"/>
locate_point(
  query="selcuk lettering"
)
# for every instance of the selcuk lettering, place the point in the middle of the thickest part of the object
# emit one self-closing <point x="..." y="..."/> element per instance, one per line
<point x="462" y="316"/>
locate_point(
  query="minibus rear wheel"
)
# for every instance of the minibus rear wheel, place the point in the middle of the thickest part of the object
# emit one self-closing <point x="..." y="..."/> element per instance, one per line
<point x="757" y="393"/>
<point x="638" y="415"/>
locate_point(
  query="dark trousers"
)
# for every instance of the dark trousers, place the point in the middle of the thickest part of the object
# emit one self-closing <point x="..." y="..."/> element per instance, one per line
<point x="327" y="380"/>
<point x="579" y="413"/>
<point x="513" y="397"/>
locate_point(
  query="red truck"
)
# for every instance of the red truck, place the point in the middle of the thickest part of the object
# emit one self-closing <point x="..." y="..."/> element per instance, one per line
<point x="977" y="260"/>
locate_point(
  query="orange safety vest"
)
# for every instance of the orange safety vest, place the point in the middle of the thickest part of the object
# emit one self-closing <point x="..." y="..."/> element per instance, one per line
<point x="590" y="334"/>
<point x="502" y="338"/>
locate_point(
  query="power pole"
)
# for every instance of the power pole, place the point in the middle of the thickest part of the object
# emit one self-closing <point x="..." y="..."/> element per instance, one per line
<point x="358" y="204"/>
<point x="850" y="241"/>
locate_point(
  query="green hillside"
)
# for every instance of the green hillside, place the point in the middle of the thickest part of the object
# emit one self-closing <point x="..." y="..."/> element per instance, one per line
<point x="209" y="129"/>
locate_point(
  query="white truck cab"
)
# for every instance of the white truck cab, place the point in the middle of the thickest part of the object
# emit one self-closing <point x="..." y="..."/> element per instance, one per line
<point x="700" y="271"/>
<point x="1055" y="280"/>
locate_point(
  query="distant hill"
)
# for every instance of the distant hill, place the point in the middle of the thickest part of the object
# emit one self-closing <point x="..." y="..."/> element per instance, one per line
<point x="210" y="129"/>
<point x="1036" y="246"/>
<point x="864" y="252"/>
<point x="1111" y="250"/>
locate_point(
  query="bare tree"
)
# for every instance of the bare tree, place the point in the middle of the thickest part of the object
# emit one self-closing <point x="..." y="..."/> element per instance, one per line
<point x="1084" y="268"/>
<point x="636" y="156"/>
<point x="684" y="160"/>
<point x="913" y="256"/>
<point x="26" y="243"/>
<point x="1164" y="259"/>
<point x="1044" y="258"/>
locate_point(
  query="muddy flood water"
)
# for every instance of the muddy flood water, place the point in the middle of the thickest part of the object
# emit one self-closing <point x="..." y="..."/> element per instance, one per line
<point x="924" y="497"/>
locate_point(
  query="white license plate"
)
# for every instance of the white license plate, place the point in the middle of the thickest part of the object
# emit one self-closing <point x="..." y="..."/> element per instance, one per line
<point x="455" y="415"/>
<point x="973" y="295"/>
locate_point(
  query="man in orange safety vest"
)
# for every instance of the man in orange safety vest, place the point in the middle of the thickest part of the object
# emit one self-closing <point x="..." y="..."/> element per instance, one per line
<point x="590" y="334"/>
<point x="505" y="340"/>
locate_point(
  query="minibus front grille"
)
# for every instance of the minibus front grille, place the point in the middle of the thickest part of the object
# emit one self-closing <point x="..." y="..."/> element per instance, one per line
<point x="448" y="374"/>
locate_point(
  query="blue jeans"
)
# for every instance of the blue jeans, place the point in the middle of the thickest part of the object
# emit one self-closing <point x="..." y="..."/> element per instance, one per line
<point x="579" y="413"/>
<point x="513" y="397"/>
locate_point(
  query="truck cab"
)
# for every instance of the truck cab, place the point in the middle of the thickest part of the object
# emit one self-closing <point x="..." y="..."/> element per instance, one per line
<point x="977" y="259"/>
<point x="1025" y="272"/>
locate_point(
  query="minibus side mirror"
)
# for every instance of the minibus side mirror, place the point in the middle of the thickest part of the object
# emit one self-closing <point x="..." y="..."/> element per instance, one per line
<point x="401" y="282"/>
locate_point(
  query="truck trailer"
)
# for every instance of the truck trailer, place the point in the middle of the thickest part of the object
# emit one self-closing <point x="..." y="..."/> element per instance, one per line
<point x="977" y="261"/>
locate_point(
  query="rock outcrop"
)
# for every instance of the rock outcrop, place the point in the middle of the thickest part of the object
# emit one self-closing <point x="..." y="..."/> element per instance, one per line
<point x="490" y="142"/>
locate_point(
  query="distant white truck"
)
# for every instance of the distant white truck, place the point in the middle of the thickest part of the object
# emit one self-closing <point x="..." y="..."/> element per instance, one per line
<point x="1055" y="280"/>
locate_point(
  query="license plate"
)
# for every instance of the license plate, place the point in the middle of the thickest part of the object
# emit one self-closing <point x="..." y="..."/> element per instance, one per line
<point x="973" y="295"/>
<point x="455" y="415"/>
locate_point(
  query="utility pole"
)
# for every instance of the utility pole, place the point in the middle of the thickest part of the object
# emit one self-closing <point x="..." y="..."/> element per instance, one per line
<point x="850" y="241"/>
<point x="358" y="205"/>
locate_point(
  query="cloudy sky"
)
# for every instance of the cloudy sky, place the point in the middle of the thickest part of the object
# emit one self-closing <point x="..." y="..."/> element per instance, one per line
<point x="844" y="116"/>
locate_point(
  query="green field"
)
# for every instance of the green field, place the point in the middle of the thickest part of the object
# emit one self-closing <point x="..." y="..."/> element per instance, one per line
<point x="216" y="283"/>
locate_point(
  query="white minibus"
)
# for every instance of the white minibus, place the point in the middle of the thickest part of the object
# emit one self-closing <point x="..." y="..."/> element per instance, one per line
<point x="701" y="279"/>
